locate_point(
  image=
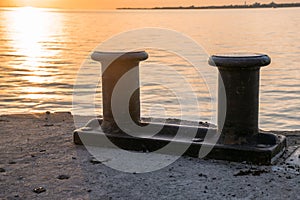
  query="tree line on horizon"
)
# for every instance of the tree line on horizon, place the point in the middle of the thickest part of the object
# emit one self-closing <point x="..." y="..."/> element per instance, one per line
<point x="254" y="5"/>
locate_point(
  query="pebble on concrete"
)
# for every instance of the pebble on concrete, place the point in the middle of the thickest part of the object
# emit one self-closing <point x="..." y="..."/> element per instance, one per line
<point x="39" y="190"/>
<point x="63" y="177"/>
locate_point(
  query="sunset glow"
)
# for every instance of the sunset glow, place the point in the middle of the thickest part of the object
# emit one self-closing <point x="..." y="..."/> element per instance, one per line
<point x="108" y="4"/>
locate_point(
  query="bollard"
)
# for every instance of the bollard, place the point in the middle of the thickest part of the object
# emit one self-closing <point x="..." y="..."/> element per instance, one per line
<point x="240" y="103"/>
<point x="114" y="66"/>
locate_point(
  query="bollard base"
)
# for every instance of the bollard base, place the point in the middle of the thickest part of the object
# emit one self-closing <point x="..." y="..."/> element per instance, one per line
<point x="268" y="147"/>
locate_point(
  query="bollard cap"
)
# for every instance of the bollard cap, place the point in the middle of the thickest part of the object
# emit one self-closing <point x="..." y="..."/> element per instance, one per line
<point x="112" y="56"/>
<point x="239" y="60"/>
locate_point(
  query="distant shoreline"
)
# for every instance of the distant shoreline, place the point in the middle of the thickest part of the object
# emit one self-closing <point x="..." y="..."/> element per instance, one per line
<point x="255" y="5"/>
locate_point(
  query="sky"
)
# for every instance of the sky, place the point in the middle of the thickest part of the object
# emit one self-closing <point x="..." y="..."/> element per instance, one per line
<point x="112" y="4"/>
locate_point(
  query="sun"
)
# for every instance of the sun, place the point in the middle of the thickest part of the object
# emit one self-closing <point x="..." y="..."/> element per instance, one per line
<point x="28" y="9"/>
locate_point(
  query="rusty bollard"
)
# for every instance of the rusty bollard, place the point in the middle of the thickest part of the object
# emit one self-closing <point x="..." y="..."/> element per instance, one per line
<point x="239" y="105"/>
<point x="114" y="66"/>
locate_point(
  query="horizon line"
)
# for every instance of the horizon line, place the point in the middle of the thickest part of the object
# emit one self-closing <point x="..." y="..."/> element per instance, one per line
<point x="145" y="8"/>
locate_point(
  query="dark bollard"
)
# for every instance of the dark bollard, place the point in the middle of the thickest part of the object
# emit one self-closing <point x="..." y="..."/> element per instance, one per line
<point x="240" y="140"/>
<point x="239" y="105"/>
<point x="114" y="66"/>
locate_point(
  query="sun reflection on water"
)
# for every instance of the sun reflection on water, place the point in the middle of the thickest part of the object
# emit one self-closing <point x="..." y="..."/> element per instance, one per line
<point x="29" y="28"/>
